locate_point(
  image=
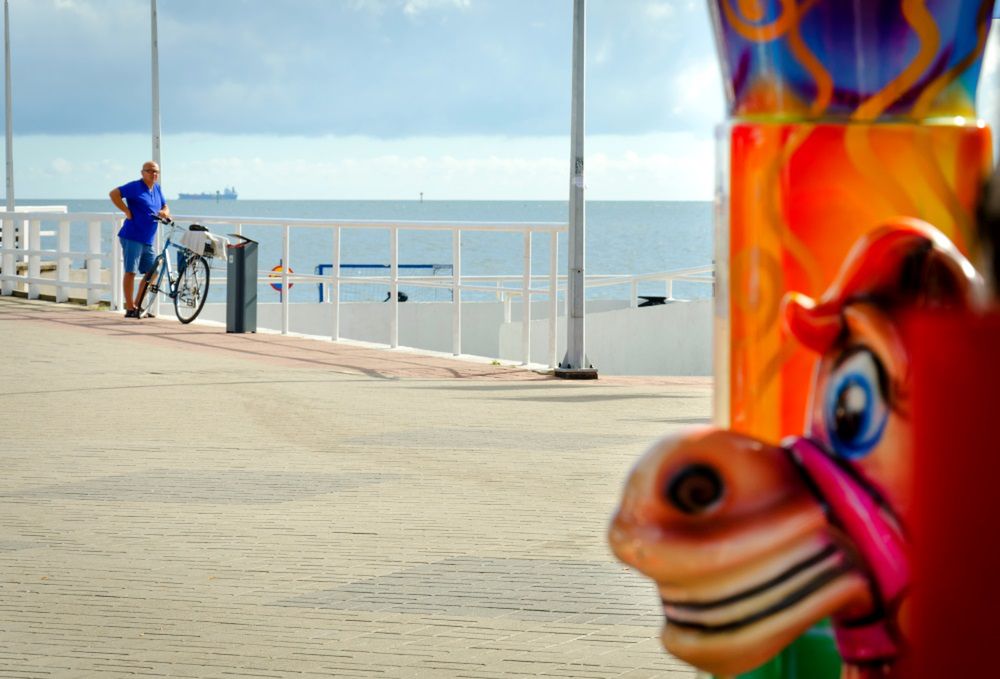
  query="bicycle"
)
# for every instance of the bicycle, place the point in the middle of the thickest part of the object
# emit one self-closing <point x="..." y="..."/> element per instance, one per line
<point x="187" y="286"/>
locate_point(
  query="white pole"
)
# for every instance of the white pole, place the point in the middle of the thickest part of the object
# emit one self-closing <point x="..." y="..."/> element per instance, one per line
<point x="393" y="287"/>
<point x="63" y="264"/>
<point x="93" y="262"/>
<point x="575" y="364"/>
<point x="33" y="237"/>
<point x="8" y="96"/>
<point x="526" y="302"/>
<point x="553" y="297"/>
<point x="286" y="287"/>
<point x="456" y="292"/>
<point x="156" y="82"/>
<point x="335" y="285"/>
<point x="155" y="105"/>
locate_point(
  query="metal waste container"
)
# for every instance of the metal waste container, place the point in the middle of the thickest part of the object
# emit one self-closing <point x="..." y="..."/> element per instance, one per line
<point x="241" y="285"/>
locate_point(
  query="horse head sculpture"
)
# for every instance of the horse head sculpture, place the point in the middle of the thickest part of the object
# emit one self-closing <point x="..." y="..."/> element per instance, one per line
<point x="752" y="542"/>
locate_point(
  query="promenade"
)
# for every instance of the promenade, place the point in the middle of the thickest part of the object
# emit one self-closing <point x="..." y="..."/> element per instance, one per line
<point x="179" y="502"/>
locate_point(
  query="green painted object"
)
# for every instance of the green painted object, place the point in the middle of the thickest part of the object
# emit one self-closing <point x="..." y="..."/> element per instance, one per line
<point x="811" y="656"/>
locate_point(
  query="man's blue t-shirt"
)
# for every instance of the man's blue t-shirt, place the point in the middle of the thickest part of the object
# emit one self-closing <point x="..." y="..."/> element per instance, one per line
<point x="143" y="202"/>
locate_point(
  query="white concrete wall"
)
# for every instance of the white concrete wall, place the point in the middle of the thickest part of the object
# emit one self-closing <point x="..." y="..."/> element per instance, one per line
<point x="424" y="325"/>
<point x="669" y="339"/>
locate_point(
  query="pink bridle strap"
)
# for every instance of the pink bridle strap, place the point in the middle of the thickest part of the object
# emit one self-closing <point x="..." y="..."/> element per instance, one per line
<point x="876" y="538"/>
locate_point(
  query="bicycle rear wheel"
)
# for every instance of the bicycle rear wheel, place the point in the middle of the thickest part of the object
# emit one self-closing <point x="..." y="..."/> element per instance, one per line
<point x="150" y="286"/>
<point x="192" y="289"/>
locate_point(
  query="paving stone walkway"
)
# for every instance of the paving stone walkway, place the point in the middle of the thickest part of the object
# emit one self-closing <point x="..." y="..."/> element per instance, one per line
<point x="179" y="502"/>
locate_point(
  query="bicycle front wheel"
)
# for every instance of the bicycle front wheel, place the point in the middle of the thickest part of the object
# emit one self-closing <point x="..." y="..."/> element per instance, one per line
<point x="150" y="286"/>
<point x="192" y="289"/>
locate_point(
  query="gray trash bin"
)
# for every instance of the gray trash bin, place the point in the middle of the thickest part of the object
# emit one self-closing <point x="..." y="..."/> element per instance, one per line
<point x="241" y="285"/>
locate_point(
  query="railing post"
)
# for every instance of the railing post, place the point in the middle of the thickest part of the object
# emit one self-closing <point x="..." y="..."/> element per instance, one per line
<point x="7" y="261"/>
<point x="526" y="302"/>
<point x="63" y="262"/>
<point x="553" y="297"/>
<point x="157" y="247"/>
<point x="393" y="287"/>
<point x="633" y="302"/>
<point x="506" y="307"/>
<point x="22" y="240"/>
<point x="93" y="262"/>
<point x="670" y="289"/>
<point x="456" y="291"/>
<point x="116" y="267"/>
<point x="34" y="239"/>
<point x="335" y="285"/>
<point x="286" y="264"/>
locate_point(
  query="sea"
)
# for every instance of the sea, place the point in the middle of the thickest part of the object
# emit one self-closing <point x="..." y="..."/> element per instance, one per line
<point x="622" y="237"/>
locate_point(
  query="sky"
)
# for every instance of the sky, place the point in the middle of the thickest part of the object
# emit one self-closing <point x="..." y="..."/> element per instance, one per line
<point x="364" y="99"/>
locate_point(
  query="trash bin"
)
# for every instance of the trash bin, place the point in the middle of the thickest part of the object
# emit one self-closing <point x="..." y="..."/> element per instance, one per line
<point x="241" y="285"/>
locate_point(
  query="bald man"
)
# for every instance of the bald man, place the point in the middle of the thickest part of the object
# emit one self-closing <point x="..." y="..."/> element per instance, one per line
<point x="141" y="201"/>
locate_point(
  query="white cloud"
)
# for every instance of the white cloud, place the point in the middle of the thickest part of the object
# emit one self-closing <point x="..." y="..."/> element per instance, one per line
<point x="62" y="166"/>
<point x="602" y="54"/>
<point x="658" y="11"/>
<point x="409" y="7"/>
<point x="414" y="7"/>
<point x="697" y="91"/>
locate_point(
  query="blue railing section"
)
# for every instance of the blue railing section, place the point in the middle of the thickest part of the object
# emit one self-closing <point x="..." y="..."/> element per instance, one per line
<point x="321" y="269"/>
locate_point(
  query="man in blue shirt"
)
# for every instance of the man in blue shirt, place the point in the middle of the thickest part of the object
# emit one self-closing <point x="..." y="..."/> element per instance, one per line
<point x="140" y="200"/>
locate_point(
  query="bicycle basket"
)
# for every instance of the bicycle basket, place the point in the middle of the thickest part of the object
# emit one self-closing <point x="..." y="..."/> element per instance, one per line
<point x="201" y="242"/>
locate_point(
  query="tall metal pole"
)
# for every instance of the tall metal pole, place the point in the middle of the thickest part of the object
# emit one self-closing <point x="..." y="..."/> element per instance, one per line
<point x="156" y="82"/>
<point x="575" y="365"/>
<point x="9" y="106"/>
<point x="155" y="47"/>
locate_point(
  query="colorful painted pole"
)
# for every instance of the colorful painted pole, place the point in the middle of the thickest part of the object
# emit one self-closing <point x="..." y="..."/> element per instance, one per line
<point x="841" y="116"/>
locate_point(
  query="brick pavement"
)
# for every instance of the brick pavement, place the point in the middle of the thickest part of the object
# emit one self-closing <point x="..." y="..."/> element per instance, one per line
<point x="178" y="502"/>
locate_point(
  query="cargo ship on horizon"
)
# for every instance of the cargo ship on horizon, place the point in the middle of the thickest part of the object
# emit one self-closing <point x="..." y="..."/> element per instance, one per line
<point x="227" y="194"/>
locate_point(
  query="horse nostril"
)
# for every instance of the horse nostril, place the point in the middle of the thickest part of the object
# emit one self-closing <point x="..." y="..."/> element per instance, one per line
<point x="695" y="489"/>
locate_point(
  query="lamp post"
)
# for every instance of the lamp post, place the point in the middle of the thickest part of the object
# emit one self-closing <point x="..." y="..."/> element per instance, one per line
<point x="575" y="365"/>
<point x="156" y="82"/>
<point x="8" y="98"/>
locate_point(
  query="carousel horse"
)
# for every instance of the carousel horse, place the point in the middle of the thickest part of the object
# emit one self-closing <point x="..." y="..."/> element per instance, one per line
<point x="752" y="542"/>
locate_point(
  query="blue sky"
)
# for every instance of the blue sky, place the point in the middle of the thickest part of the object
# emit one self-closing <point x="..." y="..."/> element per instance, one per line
<point x="364" y="99"/>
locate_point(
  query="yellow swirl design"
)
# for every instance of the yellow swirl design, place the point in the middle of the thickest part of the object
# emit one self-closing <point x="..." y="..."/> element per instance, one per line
<point x="750" y="30"/>
<point x="922" y="22"/>
<point x="814" y="67"/>
<point x="923" y="104"/>
<point x="752" y="9"/>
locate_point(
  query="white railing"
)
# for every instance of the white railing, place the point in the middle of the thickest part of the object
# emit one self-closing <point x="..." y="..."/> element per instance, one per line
<point x="456" y="229"/>
<point x="22" y="248"/>
<point x="525" y="286"/>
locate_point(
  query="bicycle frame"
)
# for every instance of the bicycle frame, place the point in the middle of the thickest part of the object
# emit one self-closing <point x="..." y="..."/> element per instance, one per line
<point x="172" y="276"/>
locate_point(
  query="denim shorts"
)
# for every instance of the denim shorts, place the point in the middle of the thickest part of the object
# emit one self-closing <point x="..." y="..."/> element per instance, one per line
<point x="138" y="256"/>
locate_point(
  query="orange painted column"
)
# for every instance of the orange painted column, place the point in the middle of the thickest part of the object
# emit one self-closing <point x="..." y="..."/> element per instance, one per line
<point x="841" y="115"/>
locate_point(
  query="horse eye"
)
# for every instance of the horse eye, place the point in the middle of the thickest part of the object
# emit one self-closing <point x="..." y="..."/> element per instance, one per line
<point x="855" y="407"/>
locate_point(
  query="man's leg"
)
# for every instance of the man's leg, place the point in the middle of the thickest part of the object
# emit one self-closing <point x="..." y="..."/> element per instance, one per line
<point x="131" y="254"/>
<point x="128" y="287"/>
<point x="146" y="260"/>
